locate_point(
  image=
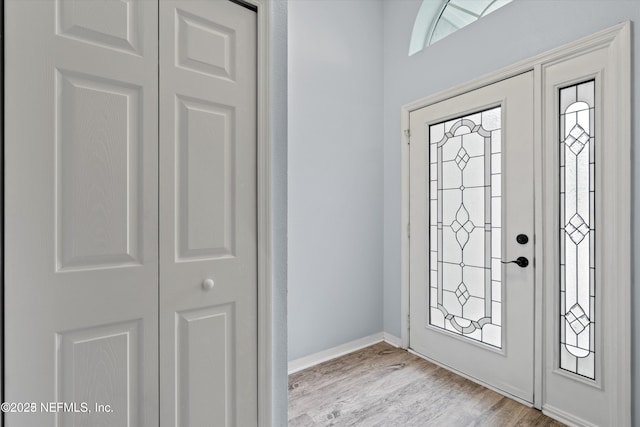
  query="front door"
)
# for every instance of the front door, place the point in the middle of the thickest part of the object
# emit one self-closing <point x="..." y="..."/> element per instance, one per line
<point x="471" y="213"/>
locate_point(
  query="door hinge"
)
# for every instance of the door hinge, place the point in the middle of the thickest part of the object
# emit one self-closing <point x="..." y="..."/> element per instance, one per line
<point x="409" y="229"/>
<point x="407" y="134"/>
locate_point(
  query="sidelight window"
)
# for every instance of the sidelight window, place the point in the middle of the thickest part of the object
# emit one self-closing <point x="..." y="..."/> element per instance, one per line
<point x="577" y="229"/>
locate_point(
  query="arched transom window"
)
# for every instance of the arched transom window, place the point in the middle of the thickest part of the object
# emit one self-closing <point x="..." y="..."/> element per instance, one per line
<point x="437" y="19"/>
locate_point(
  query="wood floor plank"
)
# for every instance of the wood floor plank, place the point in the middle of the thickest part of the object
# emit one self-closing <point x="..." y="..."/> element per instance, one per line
<point x="384" y="386"/>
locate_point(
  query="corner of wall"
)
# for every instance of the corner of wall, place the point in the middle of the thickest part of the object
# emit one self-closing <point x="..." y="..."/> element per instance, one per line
<point x="278" y="117"/>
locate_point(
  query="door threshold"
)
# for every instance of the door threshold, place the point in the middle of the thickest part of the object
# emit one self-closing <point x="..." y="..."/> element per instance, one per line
<point x="475" y="380"/>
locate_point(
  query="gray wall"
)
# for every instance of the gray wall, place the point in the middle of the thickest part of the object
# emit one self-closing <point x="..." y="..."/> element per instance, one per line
<point x="335" y="173"/>
<point x="344" y="143"/>
<point x="278" y="117"/>
<point x="517" y="31"/>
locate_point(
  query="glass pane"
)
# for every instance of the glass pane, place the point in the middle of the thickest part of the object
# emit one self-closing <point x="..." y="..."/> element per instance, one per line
<point x="456" y="14"/>
<point x="458" y="17"/>
<point x="495" y="5"/>
<point x="577" y="234"/>
<point x="474" y="6"/>
<point x="465" y="287"/>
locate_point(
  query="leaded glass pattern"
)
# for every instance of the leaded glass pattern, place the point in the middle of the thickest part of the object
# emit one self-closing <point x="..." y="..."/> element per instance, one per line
<point x="436" y="19"/>
<point x="458" y="14"/>
<point x="577" y="229"/>
<point x="465" y="226"/>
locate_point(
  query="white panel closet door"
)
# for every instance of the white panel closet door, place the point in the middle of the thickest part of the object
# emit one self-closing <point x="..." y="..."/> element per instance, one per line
<point x="208" y="230"/>
<point x="81" y="212"/>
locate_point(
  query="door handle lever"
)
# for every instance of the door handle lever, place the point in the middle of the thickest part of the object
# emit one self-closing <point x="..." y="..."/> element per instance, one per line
<point x="521" y="262"/>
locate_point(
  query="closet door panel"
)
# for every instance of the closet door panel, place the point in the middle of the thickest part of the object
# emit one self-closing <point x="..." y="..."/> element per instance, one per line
<point x="208" y="220"/>
<point x="205" y="170"/>
<point x="81" y="212"/>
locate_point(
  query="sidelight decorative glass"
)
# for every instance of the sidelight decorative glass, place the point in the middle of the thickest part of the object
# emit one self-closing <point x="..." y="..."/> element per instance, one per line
<point x="577" y="229"/>
<point x="465" y="226"/>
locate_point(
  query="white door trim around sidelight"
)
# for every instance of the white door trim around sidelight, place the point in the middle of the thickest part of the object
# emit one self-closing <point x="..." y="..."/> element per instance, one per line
<point x="617" y="41"/>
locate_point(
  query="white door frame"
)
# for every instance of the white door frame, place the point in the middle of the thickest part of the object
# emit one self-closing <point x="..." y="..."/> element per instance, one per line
<point x="265" y="303"/>
<point x="617" y="40"/>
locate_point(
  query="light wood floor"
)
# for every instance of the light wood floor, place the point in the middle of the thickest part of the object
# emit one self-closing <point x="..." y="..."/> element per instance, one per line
<point x="385" y="386"/>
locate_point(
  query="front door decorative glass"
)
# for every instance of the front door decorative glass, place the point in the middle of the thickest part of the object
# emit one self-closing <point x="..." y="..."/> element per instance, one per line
<point x="465" y="226"/>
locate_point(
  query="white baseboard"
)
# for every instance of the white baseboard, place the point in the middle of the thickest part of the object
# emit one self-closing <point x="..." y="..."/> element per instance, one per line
<point x="332" y="353"/>
<point x="391" y="339"/>
<point x="565" y="417"/>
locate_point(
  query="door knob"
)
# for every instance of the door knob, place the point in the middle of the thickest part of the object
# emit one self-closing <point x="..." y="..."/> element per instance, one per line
<point x="521" y="262"/>
<point x="523" y="239"/>
<point x="207" y="284"/>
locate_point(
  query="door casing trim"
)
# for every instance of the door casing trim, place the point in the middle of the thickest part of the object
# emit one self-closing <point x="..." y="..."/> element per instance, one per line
<point x="265" y="289"/>
<point x="617" y="40"/>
